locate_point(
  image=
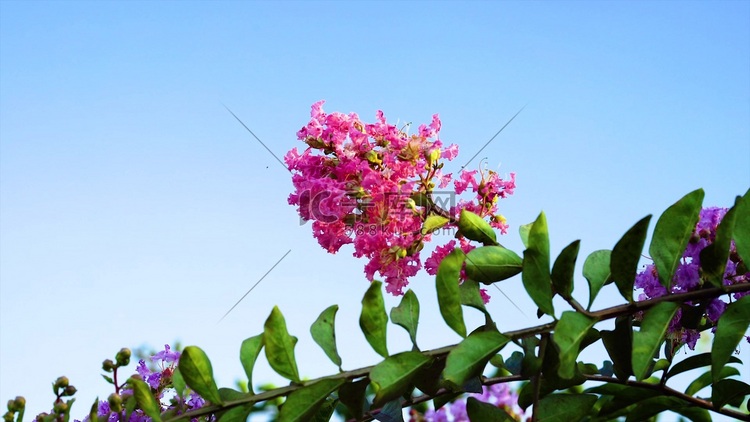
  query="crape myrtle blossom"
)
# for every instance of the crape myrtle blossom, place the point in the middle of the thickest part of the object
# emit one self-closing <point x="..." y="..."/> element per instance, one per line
<point x="158" y="376"/>
<point x="372" y="185"/>
<point x="688" y="277"/>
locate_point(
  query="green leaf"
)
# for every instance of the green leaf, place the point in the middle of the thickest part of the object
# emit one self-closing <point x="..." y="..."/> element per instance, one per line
<point x="597" y="272"/>
<point x="730" y="329"/>
<point x="569" y="332"/>
<point x="325" y="411"/>
<point x="93" y="413"/>
<point x="422" y="200"/>
<point x="536" y="266"/>
<point x="706" y="379"/>
<point x="391" y="412"/>
<point x="471" y="297"/>
<point x="469" y="357"/>
<point x="145" y="399"/>
<point x="564" y="268"/>
<point x="434" y="222"/>
<point x="130" y="404"/>
<point x="564" y="407"/>
<point x="249" y="352"/>
<point x="694" y="362"/>
<point x="524" y="231"/>
<point x="322" y="331"/>
<point x="178" y="382"/>
<point x="198" y="374"/>
<point x="393" y="376"/>
<point x="531" y="362"/>
<point x="476" y="228"/>
<point x="694" y="413"/>
<point x="646" y="342"/>
<point x="303" y="403"/>
<point x="714" y="256"/>
<point x="729" y="391"/>
<point x="352" y="395"/>
<point x="236" y="413"/>
<point x="373" y="320"/>
<point x="653" y="406"/>
<point x="741" y="233"/>
<point x="672" y="233"/>
<point x="428" y="379"/>
<point x="406" y="315"/>
<point x="449" y="296"/>
<point x="625" y="257"/>
<point x="620" y="397"/>
<point x="279" y="345"/>
<point x="484" y="412"/>
<point x="488" y="264"/>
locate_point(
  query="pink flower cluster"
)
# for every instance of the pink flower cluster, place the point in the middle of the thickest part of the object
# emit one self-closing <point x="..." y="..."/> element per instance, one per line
<point x="372" y="185"/>
<point x="688" y="276"/>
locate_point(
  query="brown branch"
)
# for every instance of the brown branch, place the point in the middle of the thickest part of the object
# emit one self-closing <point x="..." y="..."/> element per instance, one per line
<point x="664" y="390"/>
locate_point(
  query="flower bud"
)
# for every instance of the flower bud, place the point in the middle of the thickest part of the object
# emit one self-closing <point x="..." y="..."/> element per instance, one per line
<point x="123" y="357"/>
<point x="434" y="156"/>
<point x="69" y="391"/>
<point x="11" y="406"/>
<point x="8" y="417"/>
<point x="61" y="382"/>
<point x="115" y="402"/>
<point x="60" y="407"/>
<point x="20" y="402"/>
<point x="108" y="365"/>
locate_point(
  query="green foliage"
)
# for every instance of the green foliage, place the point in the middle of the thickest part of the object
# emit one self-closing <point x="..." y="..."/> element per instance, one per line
<point x="625" y="257"/>
<point x="647" y="340"/>
<point x="536" y="266"/>
<point x="449" y="297"/>
<point x="469" y="357"/>
<point x="322" y="331"/>
<point x="198" y="373"/>
<point x="547" y="357"/>
<point x="406" y="315"/>
<point x="570" y="332"/>
<point x="279" y="345"/>
<point x="729" y="332"/>
<point x="392" y="377"/>
<point x="474" y="227"/>
<point x="373" y="320"/>
<point x="304" y="402"/>
<point x="672" y="233"/>
<point x="563" y="271"/>
<point x="484" y="412"/>
<point x="597" y="271"/>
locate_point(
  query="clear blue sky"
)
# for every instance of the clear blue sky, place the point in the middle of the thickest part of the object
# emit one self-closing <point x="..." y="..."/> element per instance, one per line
<point x="135" y="210"/>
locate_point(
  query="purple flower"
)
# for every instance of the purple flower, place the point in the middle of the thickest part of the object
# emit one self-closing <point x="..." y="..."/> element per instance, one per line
<point x="690" y="337"/>
<point x="166" y="355"/>
<point x="686" y="278"/>
<point x="715" y="309"/>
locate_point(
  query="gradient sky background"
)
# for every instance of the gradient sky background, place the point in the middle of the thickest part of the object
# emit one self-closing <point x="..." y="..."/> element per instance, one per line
<point x="135" y="210"/>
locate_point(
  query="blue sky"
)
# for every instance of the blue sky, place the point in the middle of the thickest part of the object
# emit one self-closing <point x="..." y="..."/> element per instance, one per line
<point x="135" y="210"/>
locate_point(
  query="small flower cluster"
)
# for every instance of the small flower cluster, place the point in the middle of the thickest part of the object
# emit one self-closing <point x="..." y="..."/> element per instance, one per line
<point x="158" y="376"/>
<point x="499" y="395"/>
<point x="688" y="277"/>
<point x="372" y="185"/>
